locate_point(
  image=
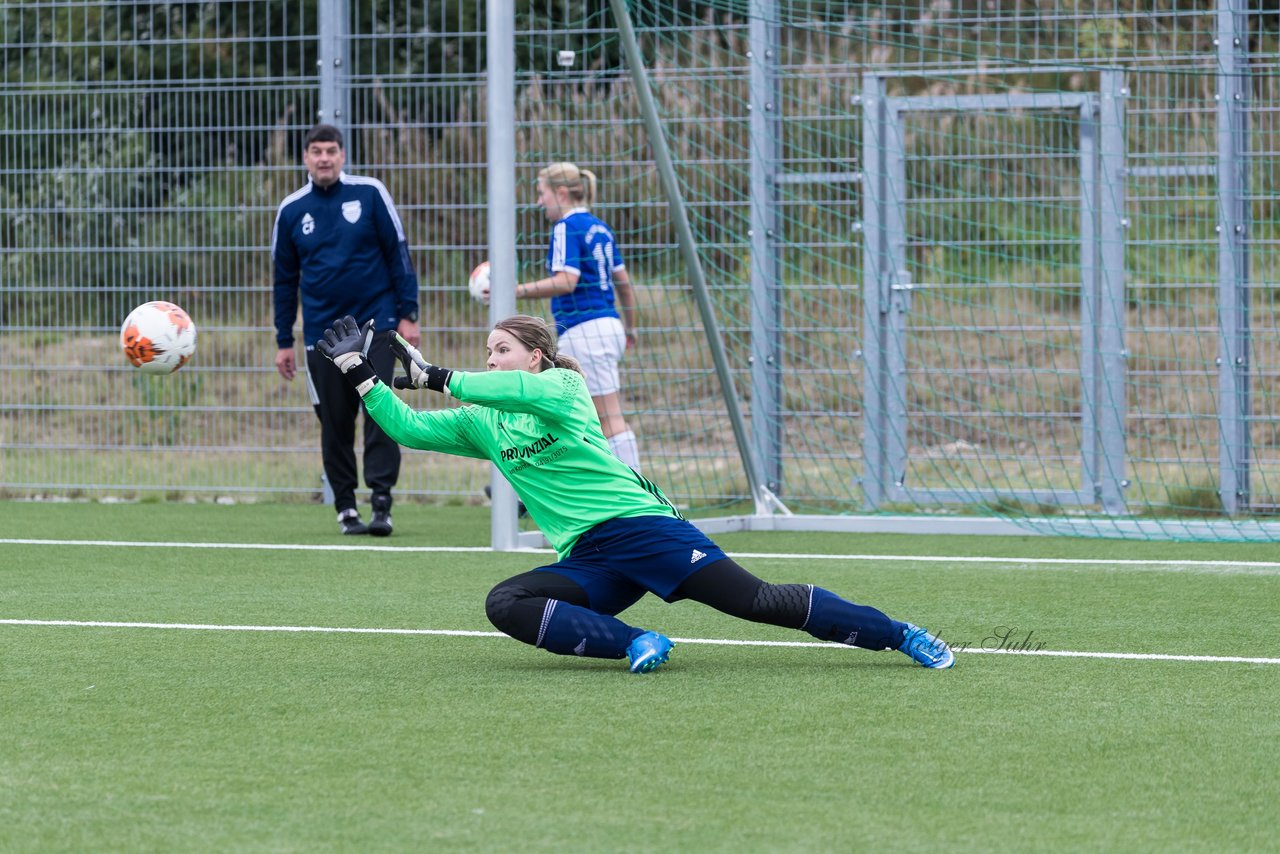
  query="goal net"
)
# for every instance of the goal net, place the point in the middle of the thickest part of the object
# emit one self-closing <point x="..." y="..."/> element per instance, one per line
<point x="973" y="267"/>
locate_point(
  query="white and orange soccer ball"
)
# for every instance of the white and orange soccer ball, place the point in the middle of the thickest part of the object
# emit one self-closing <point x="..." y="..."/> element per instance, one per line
<point x="478" y="284"/>
<point x="158" y="337"/>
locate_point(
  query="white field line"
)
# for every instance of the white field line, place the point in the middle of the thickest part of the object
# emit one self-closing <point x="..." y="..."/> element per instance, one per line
<point x="287" y="547"/>
<point x="1258" y="567"/>
<point x="1127" y="656"/>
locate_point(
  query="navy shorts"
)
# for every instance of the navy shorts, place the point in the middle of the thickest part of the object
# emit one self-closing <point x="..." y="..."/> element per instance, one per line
<point x="618" y="561"/>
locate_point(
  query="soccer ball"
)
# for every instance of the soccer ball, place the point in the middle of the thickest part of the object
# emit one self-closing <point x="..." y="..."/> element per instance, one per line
<point x="158" y="337"/>
<point x="478" y="284"/>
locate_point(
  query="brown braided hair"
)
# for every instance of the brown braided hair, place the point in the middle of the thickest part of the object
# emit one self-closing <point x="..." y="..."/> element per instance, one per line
<point x="535" y="334"/>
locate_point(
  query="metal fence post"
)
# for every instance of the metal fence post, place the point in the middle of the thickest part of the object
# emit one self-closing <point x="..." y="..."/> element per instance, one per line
<point x="1089" y="295"/>
<point x="874" y="301"/>
<point x="895" y="292"/>
<point x="504" y="530"/>
<point x="766" y="389"/>
<point x="1112" y="398"/>
<point x="1234" y="441"/>
<point x="333" y="59"/>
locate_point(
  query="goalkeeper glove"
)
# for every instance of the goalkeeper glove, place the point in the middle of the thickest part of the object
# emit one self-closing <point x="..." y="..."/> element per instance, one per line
<point x="346" y="344"/>
<point x="419" y="372"/>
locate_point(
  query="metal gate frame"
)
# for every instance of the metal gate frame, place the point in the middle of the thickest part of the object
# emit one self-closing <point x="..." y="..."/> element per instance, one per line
<point x="887" y="293"/>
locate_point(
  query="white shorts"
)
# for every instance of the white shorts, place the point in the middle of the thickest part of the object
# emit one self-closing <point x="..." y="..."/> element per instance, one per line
<point x="598" y="346"/>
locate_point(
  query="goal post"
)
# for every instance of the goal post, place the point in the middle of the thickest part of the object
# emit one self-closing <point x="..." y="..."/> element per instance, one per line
<point x="500" y="146"/>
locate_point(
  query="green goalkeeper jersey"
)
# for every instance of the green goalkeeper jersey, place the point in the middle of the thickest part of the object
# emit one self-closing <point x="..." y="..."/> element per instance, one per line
<point x="542" y="432"/>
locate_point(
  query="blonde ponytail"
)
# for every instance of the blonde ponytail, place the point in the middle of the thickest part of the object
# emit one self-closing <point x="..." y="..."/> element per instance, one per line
<point x="580" y="183"/>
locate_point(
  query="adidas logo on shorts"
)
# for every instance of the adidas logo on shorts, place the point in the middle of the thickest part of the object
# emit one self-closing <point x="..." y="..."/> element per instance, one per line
<point x="697" y="556"/>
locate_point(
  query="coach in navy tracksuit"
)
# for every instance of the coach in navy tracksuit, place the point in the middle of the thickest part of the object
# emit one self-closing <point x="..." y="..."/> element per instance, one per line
<point x="339" y="242"/>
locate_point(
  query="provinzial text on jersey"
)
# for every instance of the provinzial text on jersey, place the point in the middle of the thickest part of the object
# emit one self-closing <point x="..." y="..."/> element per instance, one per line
<point x="537" y="447"/>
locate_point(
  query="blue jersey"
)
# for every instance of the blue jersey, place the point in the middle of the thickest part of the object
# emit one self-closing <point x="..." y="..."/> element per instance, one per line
<point x="582" y="244"/>
<point x="344" y="248"/>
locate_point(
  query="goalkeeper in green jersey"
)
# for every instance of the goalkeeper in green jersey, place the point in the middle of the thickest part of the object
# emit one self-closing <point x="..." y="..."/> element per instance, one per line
<point x="616" y="535"/>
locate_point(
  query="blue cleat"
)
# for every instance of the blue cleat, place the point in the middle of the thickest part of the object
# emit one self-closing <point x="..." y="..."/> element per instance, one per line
<point x="925" y="649"/>
<point x="648" y="652"/>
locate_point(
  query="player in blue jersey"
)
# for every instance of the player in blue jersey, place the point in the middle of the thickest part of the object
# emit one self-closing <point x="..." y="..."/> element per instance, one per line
<point x="616" y="535"/>
<point x="338" y="242"/>
<point x="592" y="300"/>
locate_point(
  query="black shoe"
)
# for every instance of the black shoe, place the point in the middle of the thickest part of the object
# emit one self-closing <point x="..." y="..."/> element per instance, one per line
<point x="349" y="521"/>
<point x="380" y="525"/>
<point x="521" y="510"/>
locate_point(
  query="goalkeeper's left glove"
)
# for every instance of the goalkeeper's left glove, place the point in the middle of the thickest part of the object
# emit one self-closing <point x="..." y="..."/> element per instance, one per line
<point x="346" y="344"/>
<point x="419" y="372"/>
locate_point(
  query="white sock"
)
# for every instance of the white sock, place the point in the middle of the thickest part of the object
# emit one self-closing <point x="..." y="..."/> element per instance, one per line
<point x="624" y="448"/>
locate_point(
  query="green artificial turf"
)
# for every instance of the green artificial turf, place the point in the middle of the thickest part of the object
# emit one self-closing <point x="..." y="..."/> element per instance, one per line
<point x="129" y="738"/>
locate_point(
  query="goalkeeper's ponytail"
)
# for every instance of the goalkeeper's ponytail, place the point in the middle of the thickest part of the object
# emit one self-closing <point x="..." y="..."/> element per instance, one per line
<point x="535" y="334"/>
<point x="567" y="362"/>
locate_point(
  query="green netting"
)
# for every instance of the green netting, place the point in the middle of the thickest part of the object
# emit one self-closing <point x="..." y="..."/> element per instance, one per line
<point x="1053" y="345"/>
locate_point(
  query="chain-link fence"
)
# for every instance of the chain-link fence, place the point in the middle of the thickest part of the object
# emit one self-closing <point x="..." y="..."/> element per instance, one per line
<point x="146" y="147"/>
